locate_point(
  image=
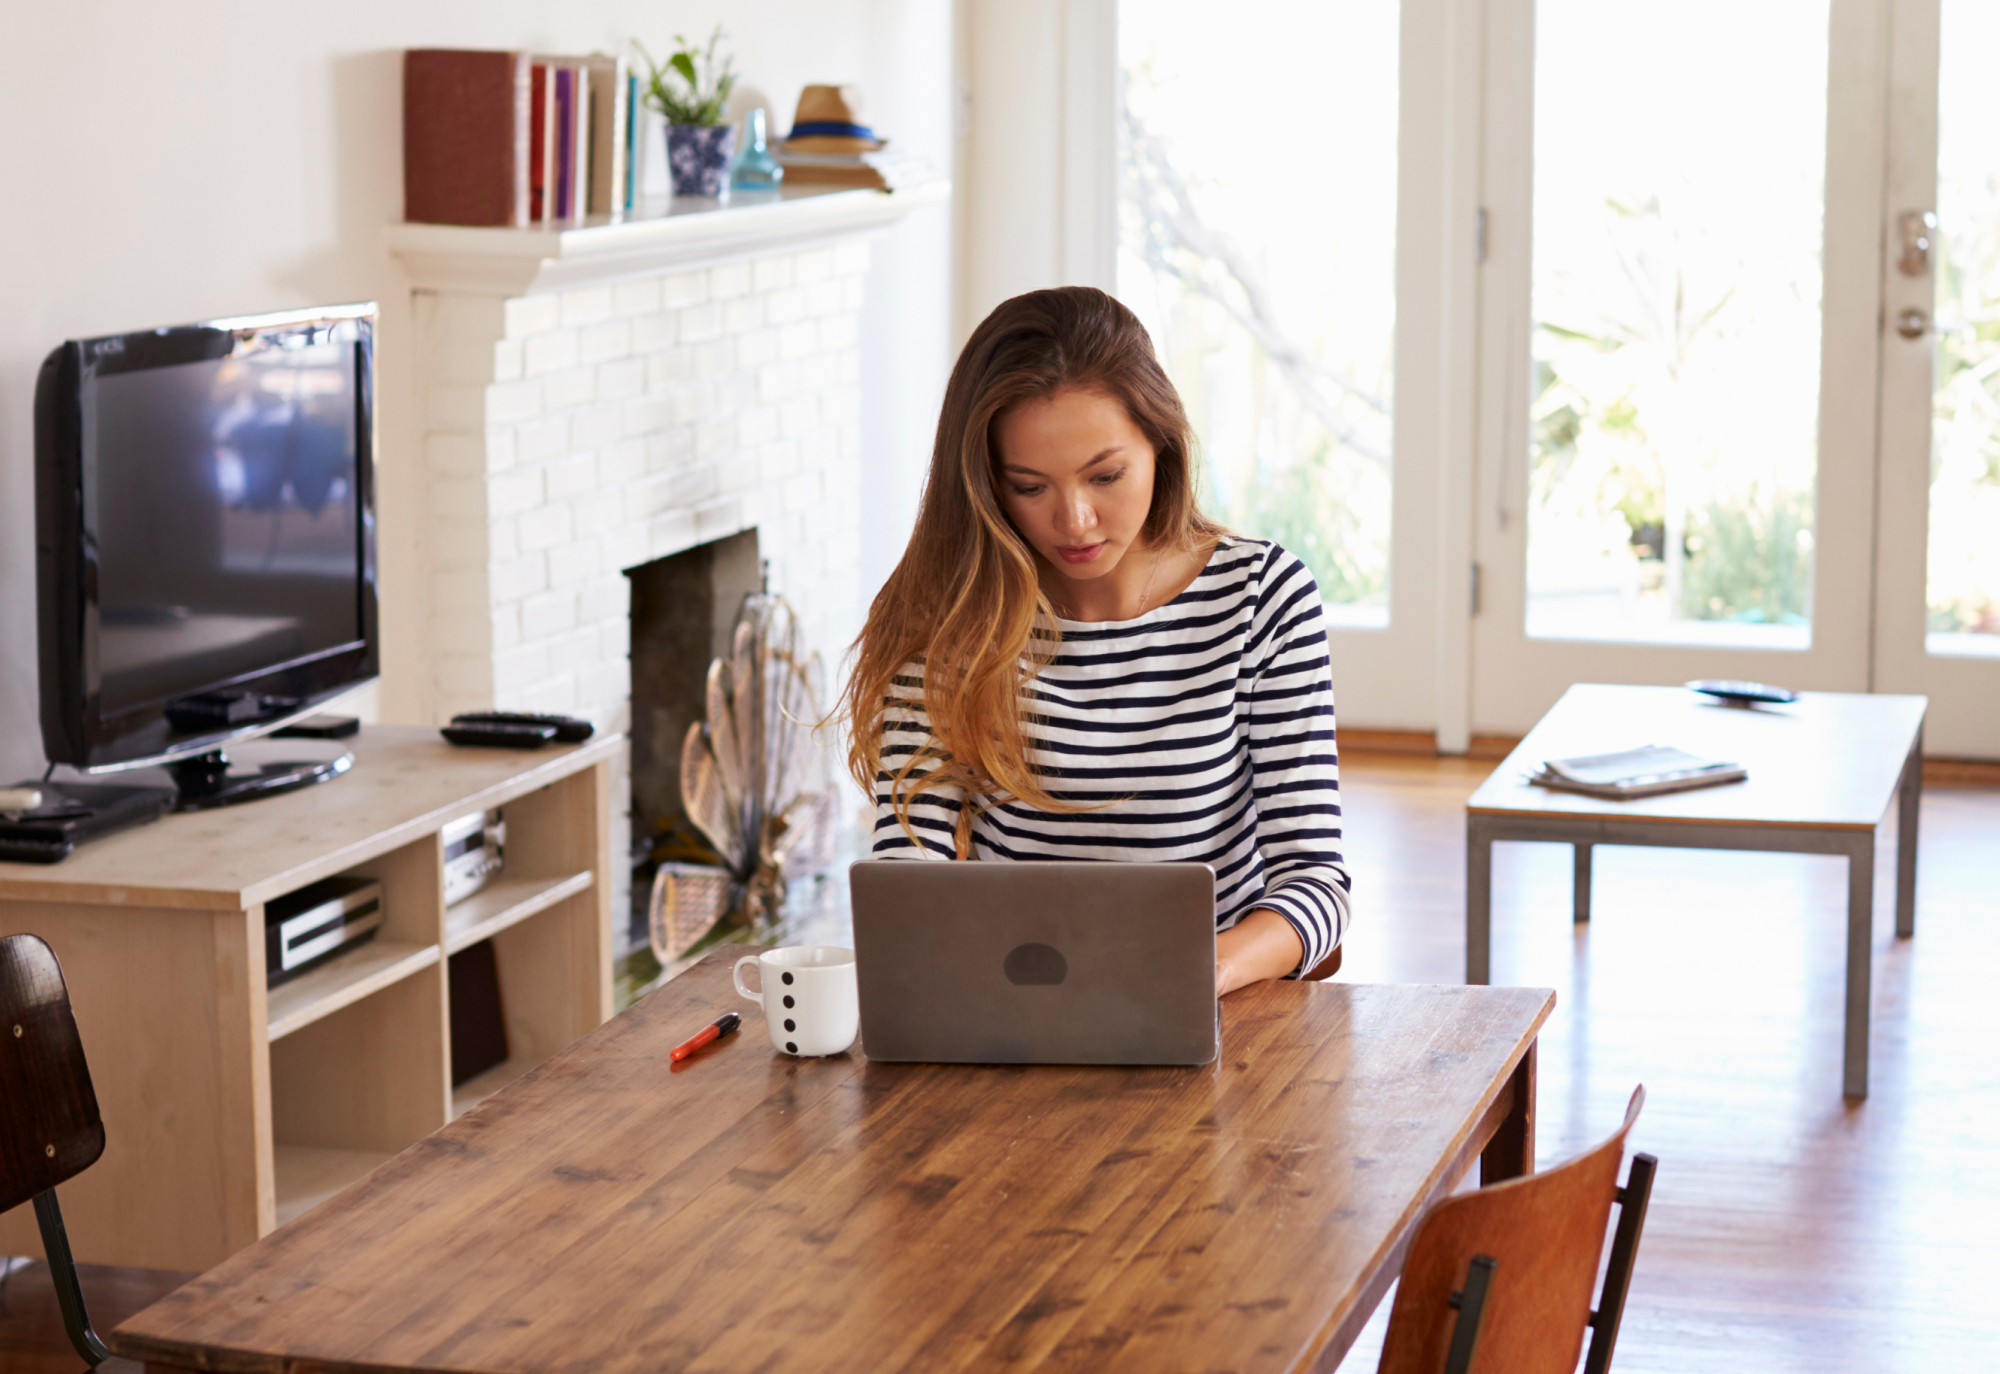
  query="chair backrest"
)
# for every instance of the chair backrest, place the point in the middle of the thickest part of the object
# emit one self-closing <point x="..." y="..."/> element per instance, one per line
<point x="1545" y="1234"/>
<point x="49" y="1128"/>
<point x="1326" y="967"/>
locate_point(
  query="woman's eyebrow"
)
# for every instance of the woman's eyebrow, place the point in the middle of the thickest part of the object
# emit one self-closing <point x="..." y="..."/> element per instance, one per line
<point x="1111" y="452"/>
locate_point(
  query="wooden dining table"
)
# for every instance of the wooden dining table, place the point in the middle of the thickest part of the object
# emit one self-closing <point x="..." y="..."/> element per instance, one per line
<point x="744" y="1210"/>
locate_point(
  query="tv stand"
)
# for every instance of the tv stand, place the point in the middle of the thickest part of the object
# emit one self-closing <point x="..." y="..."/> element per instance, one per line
<point x="214" y="779"/>
<point x="231" y="1106"/>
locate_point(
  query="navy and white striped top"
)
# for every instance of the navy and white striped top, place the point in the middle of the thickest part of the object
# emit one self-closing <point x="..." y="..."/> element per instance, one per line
<point x="1206" y="724"/>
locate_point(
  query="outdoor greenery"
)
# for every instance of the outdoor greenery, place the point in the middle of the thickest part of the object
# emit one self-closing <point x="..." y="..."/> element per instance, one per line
<point x="1651" y="447"/>
<point x="1674" y="406"/>
<point x="690" y="88"/>
<point x="1965" y="424"/>
<point x="1309" y="460"/>
<point x="1746" y="557"/>
<point x="1300" y="507"/>
<point x="1750" y="561"/>
<point x="1963" y="558"/>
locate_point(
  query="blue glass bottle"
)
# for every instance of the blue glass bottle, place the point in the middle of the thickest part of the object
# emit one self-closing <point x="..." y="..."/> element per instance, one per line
<point x="755" y="169"/>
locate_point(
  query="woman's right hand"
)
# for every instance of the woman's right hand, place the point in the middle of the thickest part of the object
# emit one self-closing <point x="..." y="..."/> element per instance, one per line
<point x="1261" y="946"/>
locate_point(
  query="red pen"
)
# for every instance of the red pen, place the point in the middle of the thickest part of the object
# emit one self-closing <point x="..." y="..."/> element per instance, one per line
<point x="722" y="1025"/>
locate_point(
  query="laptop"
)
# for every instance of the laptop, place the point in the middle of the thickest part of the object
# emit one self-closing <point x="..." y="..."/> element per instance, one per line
<point x="1036" y="963"/>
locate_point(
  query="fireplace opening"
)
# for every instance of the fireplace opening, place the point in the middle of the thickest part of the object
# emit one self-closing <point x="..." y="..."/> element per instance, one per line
<point x="684" y="609"/>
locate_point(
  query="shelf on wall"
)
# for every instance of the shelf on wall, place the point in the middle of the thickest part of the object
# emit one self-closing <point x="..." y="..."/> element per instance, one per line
<point x="664" y="235"/>
<point x="503" y="903"/>
<point x="374" y="966"/>
<point x="308" y="1175"/>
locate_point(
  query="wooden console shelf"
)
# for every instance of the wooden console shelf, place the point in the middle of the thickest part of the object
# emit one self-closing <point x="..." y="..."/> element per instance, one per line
<point x="476" y="1090"/>
<point x="508" y="901"/>
<point x="231" y="1107"/>
<point x="308" y="1175"/>
<point x="346" y="980"/>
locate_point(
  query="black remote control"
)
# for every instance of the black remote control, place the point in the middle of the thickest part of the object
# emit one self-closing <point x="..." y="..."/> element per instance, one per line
<point x="36" y="850"/>
<point x="320" y="727"/>
<point x="499" y="735"/>
<point x="569" y="730"/>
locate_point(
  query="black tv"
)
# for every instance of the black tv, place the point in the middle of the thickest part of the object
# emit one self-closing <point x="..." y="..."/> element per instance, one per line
<point x="205" y="542"/>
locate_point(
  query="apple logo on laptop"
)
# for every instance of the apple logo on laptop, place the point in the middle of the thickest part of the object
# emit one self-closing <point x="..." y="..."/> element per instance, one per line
<point x="1028" y="964"/>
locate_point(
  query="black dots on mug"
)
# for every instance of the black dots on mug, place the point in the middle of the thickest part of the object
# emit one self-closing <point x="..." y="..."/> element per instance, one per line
<point x="788" y="1000"/>
<point x="790" y="1024"/>
<point x="786" y="978"/>
<point x="790" y="1048"/>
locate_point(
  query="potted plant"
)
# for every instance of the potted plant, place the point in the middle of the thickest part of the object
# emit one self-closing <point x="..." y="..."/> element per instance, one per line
<point x="692" y="91"/>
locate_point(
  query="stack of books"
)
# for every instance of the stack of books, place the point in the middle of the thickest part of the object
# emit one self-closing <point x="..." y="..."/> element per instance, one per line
<point x="1640" y="772"/>
<point x="517" y="138"/>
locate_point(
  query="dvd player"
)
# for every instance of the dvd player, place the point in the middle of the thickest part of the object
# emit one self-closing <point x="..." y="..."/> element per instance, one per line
<point x="304" y="929"/>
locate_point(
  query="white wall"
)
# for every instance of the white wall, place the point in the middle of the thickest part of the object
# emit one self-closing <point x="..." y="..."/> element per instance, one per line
<point x="172" y="162"/>
<point x="1037" y="145"/>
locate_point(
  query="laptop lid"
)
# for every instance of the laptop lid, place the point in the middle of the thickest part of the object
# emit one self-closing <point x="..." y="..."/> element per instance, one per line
<point x="1035" y="963"/>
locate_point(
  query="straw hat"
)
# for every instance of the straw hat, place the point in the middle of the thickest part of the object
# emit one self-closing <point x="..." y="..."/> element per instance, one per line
<point x="828" y="121"/>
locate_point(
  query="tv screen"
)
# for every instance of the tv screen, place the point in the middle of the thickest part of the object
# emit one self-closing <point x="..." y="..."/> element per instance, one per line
<point x="207" y="566"/>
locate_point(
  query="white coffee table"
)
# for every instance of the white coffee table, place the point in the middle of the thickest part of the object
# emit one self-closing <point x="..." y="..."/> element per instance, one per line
<point x="1824" y="772"/>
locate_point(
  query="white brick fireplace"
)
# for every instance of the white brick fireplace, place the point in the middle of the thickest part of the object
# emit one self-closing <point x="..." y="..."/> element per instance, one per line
<point x="596" y="398"/>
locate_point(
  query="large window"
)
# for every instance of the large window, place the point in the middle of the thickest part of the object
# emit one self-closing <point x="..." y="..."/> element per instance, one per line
<point x="1257" y="241"/>
<point x="1965" y="425"/>
<point x="1679" y="156"/>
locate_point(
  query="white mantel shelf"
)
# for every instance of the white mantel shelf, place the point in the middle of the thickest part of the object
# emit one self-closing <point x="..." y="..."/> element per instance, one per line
<point x="667" y="236"/>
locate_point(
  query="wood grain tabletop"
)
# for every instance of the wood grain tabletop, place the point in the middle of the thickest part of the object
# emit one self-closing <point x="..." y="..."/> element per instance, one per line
<point x="747" y="1211"/>
<point x="1829" y="759"/>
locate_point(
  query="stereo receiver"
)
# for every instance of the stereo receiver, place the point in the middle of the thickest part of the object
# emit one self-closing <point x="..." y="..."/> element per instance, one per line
<point x="473" y="851"/>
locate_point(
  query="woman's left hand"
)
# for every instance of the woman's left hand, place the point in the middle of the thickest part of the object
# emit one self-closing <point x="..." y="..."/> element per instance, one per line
<point x="1261" y="946"/>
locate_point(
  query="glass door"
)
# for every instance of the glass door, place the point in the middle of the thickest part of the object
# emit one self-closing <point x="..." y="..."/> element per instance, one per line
<point x="1258" y="211"/>
<point x="1678" y="347"/>
<point x="1938" y="616"/>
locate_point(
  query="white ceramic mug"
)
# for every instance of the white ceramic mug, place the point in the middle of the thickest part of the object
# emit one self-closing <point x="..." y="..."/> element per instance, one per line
<point x="808" y="997"/>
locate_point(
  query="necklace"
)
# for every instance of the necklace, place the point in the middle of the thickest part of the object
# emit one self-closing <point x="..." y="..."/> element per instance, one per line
<point x="1147" y="595"/>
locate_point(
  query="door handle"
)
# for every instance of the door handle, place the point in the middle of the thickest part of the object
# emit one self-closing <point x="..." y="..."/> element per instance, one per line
<point x="1912" y="323"/>
<point x="1915" y="230"/>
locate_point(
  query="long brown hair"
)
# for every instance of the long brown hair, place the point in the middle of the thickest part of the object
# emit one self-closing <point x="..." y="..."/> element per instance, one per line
<point x="965" y="601"/>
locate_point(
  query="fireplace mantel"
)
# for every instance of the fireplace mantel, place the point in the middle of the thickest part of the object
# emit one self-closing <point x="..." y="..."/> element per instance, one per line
<point x="594" y="398"/>
<point x="668" y="236"/>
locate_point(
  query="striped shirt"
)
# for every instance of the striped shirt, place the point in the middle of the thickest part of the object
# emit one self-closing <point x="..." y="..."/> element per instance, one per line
<point x="1204" y="728"/>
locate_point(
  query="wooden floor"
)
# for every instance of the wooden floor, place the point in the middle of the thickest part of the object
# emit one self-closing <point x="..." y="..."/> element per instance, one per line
<point x="1791" y="1230"/>
<point x="31" y="1329"/>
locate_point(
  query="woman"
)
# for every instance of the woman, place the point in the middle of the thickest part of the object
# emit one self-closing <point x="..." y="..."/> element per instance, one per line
<point x="1073" y="662"/>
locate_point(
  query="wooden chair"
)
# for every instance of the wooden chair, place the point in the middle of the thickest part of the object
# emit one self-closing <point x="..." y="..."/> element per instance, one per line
<point x="49" y="1131"/>
<point x="1516" y="1261"/>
